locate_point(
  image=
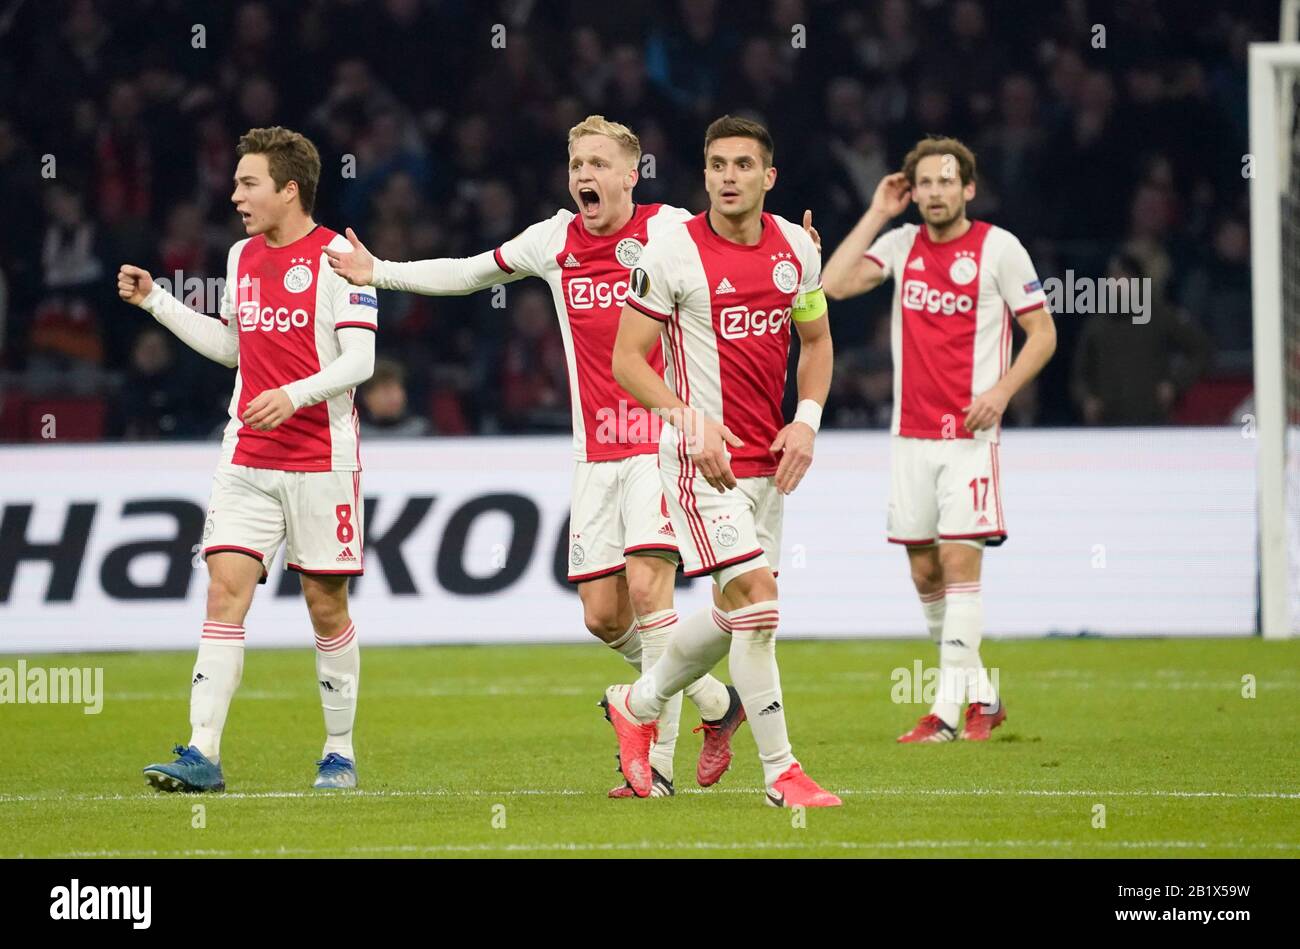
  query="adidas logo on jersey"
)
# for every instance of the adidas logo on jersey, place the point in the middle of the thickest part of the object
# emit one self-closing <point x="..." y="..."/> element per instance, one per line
<point x="571" y="261"/>
<point x="983" y="521"/>
<point x="724" y="287"/>
<point x="916" y="264"/>
<point x="667" y="530"/>
<point x="346" y="556"/>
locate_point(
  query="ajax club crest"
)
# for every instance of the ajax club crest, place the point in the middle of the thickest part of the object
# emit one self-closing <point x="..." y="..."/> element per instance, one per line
<point x="964" y="268"/>
<point x="785" y="274"/>
<point x="628" y="251"/>
<point x="298" y="277"/>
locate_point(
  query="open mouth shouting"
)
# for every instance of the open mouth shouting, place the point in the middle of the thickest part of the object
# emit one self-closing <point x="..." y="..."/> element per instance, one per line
<point x="589" y="198"/>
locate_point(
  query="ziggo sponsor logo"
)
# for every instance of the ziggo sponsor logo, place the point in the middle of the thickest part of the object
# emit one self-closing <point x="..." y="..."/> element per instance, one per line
<point x="586" y="294"/>
<point x="920" y="296"/>
<point x="737" y="322"/>
<point x="268" y="319"/>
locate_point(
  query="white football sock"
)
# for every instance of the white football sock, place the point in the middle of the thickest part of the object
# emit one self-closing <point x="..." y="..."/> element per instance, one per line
<point x="979" y="687"/>
<point x="656" y="632"/>
<point x="962" y="675"/>
<point x="696" y="646"/>
<point x="757" y="679"/>
<point x="216" y="675"/>
<point x="338" y="674"/>
<point x="629" y="646"/>
<point x="946" y="705"/>
<point x="708" y="692"/>
<point x="932" y="605"/>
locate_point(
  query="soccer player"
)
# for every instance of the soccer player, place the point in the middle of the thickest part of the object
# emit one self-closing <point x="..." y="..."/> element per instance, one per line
<point x="722" y="289"/>
<point x="301" y="339"/>
<point x="957" y="283"/>
<point x="622" y="549"/>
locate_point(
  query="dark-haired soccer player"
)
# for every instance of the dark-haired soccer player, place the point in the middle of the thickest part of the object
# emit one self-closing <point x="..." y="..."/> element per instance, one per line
<point x="301" y="339"/>
<point x="723" y="289"/>
<point x="957" y="285"/>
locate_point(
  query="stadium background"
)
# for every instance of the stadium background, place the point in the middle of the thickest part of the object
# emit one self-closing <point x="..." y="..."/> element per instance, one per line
<point x="1126" y="157"/>
<point x="1146" y="526"/>
<point x="1111" y="137"/>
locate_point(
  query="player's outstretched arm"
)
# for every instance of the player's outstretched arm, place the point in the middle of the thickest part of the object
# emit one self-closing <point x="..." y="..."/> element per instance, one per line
<point x="217" y="339"/>
<point x="637" y="335"/>
<point x="356" y="266"/>
<point x="440" y="277"/>
<point x="816" y="362"/>
<point x="849" y="273"/>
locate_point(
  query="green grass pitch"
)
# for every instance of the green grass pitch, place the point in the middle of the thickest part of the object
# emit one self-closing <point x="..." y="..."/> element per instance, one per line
<point x="501" y="751"/>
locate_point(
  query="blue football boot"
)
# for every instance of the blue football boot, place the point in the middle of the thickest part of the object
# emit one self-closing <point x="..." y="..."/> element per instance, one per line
<point x="335" y="771"/>
<point x="192" y="771"/>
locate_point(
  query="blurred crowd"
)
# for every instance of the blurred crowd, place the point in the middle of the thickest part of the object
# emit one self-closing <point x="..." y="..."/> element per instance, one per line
<point x="1110" y="135"/>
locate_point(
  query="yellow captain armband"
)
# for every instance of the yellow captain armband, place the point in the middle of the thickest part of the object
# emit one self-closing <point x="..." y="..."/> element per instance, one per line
<point x="809" y="306"/>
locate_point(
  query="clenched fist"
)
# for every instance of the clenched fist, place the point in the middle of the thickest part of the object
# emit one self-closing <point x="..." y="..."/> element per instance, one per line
<point x="133" y="284"/>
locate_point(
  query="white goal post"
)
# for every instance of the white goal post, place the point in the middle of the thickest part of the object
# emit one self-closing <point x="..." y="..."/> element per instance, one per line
<point x="1274" y="149"/>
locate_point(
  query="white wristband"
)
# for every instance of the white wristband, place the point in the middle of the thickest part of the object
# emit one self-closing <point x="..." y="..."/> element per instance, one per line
<point x="810" y="413"/>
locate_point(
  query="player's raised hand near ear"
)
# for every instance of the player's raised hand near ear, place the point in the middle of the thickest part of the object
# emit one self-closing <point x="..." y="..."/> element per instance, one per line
<point x="812" y="231"/>
<point x="892" y="194"/>
<point x="357" y="266"/>
<point x="133" y="284"/>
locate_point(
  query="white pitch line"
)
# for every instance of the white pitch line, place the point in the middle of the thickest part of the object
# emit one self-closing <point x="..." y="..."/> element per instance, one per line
<point x="255" y="695"/>
<point x="579" y="792"/>
<point x="1071" y="792"/>
<point x="430" y="693"/>
<point x="537" y="687"/>
<point x="271" y="795"/>
<point x="695" y="845"/>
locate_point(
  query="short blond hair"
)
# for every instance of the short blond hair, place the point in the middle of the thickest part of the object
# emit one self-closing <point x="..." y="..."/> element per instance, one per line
<point x="599" y="125"/>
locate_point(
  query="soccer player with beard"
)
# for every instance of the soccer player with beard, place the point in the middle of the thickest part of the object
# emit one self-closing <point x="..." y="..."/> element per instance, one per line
<point x="723" y="289"/>
<point x="622" y="549"/>
<point x="957" y="284"/>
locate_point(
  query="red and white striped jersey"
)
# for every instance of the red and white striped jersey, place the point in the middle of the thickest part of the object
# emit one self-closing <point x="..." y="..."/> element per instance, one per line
<point x="286" y="306"/>
<point x="726" y="311"/>
<point x="588" y="277"/>
<point x="951" y="321"/>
